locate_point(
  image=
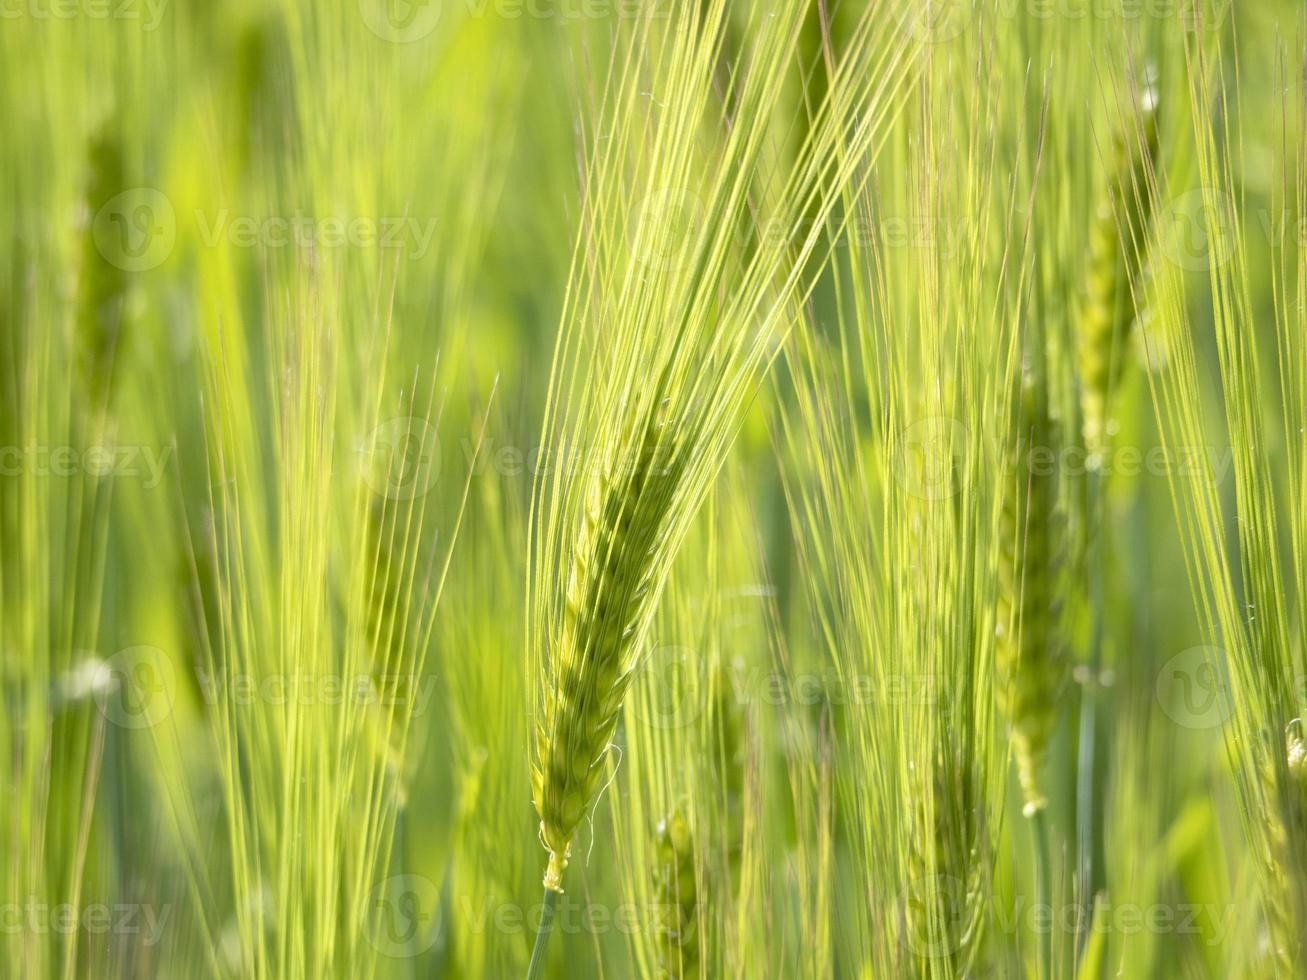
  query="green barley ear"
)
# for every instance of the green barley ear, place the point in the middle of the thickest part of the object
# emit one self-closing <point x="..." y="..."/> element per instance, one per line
<point x="667" y="330"/>
<point x="945" y="896"/>
<point x="676" y="899"/>
<point x="1286" y="827"/>
<point x="102" y="285"/>
<point x="610" y="585"/>
<point x="1118" y="251"/>
<point x="1029" y="655"/>
<point x="727" y="734"/>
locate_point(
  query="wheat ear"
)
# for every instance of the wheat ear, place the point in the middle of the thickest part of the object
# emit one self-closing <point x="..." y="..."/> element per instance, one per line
<point x="1118" y="250"/>
<point x="607" y="604"/>
<point x="1029" y="652"/>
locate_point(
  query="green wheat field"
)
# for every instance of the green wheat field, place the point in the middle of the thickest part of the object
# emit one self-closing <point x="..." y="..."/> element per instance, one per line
<point x="678" y="489"/>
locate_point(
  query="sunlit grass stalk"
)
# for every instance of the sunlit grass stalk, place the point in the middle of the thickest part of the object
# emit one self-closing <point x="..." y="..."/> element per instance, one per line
<point x="1247" y="580"/>
<point x="895" y="503"/>
<point x="1120" y="234"/>
<point x="665" y="334"/>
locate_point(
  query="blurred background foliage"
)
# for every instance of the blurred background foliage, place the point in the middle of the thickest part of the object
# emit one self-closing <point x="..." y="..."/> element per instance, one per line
<point x="196" y="195"/>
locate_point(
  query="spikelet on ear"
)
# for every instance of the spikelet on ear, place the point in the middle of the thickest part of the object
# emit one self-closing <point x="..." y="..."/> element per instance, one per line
<point x="676" y="899"/>
<point x="943" y="910"/>
<point x="1029" y="655"/>
<point x="607" y="605"/>
<point x="1117" y="254"/>
<point x="1284" y="783"/>
<point x="667" y="330"/>
<point x="101" y="284"/>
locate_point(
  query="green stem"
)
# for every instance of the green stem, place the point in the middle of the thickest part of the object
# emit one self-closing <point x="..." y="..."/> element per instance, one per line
<point x="537" y="968"/>
<point x="1044" y="891"/>
<point x="1086" y="777"/>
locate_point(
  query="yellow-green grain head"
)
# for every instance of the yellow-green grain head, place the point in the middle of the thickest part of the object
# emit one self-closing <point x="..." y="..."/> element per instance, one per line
<point x="676" y="899"/>
<point x="608" y="599"/>
<point x="1118" y="251"/>
<point x="1029" y="652"/>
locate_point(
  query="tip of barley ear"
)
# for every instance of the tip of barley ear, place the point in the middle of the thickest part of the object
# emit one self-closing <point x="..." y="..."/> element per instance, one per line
<point x="1027" y="766"/>
<point x="554" y="870"/>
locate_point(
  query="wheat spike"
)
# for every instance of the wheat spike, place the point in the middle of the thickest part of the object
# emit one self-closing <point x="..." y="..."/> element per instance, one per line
<point x="1029" y="652"/>
<point x="606" y="607"/>
<point x="1117" y="245"/>
<point x="676" y="899"/>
